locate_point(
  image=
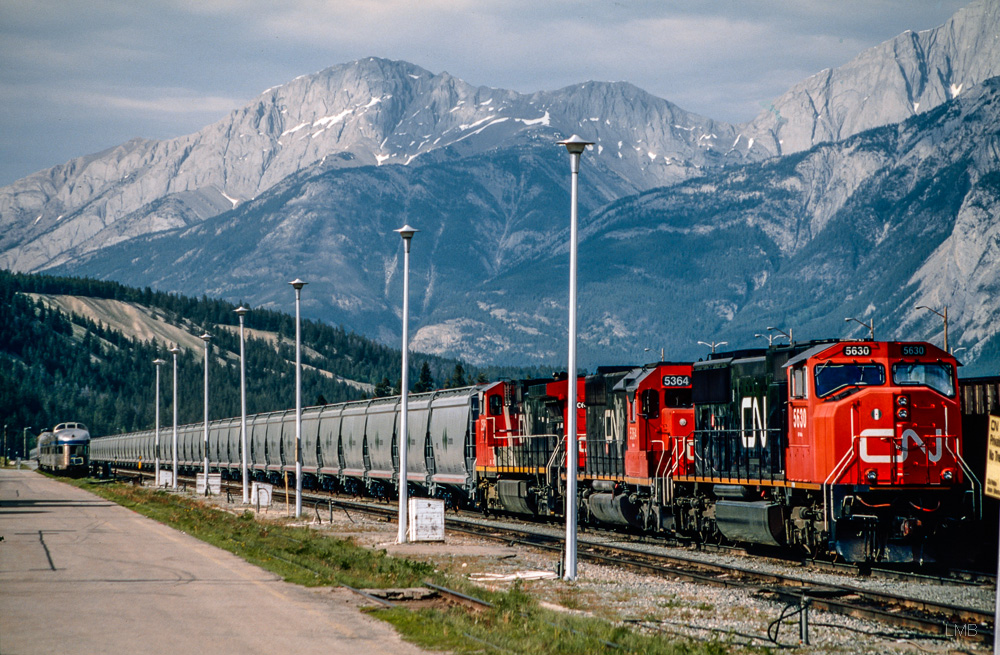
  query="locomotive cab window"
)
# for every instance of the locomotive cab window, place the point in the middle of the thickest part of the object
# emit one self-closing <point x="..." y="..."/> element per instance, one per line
<point x="799" y="382"/>
<point x="677" y="398"/>
<point x="650" y="403"/>
<point x="496" y="405"/>
<point x="936" y="376"/>
<point x="834" y="377"/>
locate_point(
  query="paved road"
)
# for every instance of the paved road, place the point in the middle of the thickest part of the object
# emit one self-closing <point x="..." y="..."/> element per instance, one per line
<point x="81" y="575"/>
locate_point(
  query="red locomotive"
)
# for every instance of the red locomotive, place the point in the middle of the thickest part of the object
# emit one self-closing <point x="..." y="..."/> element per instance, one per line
<point x="851" y="448"/>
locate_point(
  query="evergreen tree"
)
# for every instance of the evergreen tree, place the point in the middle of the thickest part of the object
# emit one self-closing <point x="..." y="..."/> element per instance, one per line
<point x="425" y="382"/>
<point x="457" y="378"/>
<point x="383" y="388"/>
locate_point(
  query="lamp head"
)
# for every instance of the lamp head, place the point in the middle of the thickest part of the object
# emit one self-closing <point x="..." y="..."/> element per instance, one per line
<point x="174" y="350"/>
<point x="159" y="361"/>
<point x="298" y="284"/>
<point x="407" y="232"/>
<point x="241" y="310"/>
<point x="576" y="145"/>
<point x="205" y="337"/>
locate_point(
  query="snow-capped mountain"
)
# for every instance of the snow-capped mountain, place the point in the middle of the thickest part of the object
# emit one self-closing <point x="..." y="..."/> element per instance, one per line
<point x="368" y="112"/>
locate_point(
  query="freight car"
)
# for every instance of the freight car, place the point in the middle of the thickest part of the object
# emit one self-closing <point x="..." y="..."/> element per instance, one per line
<point x="64" y="450"/>
<point x="349" y="446"/>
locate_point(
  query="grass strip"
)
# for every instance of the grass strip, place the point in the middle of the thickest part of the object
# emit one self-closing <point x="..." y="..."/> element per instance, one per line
<point x="515" y="623"/>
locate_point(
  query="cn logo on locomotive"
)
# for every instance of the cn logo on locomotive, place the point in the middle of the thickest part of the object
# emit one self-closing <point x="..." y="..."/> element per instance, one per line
<point x="904" y="450"/>
<point x="750" y="406"/>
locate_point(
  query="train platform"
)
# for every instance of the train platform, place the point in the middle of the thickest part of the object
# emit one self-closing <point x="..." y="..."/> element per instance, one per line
<point x="79" y="574"/>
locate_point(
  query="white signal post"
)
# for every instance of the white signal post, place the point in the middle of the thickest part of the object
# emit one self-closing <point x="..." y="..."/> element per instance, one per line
<point x="298" y="284"/>
<point x="173" y="351"/>
<point x="406" y="232"/>
<point x="156" y="471"/>
<point x="241" y="311"/>
<point x="575" y="145"/>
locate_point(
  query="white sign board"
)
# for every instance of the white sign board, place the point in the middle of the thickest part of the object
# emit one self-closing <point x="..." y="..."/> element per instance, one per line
<point x="426" y="519"/>
<point x="260" y="494"/>
<point x="991" y="486"/>
<point x="214" y="484"/>
<point x="166" y="479"/>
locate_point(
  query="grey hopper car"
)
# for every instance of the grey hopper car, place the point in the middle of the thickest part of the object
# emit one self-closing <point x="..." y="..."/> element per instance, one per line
<point x="352" y="446"/>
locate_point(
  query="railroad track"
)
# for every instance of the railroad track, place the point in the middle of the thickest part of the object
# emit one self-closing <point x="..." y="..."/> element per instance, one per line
<point x="924" y="616"/>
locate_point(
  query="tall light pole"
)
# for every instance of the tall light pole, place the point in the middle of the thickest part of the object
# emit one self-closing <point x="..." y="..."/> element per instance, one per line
<point x="206" y="337"/>
<point x="241" y="311"/>
<point x="24" y="442"/>
<point x="870" y="326"/>
<point x="156" y="454"/>
<point x="788" y="335"/>
<point x="298" y="284"/>
<point x="173" y="351"/>
<point x="945" y="317"/>
<point x="714" y="344"/>
<point x="406" y="232"/>
<point x="575" y="146"/>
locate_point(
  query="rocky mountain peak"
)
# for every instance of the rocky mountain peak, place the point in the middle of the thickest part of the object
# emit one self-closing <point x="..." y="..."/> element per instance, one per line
<point x="368" y="112"/>
<point x="909" y="74"/>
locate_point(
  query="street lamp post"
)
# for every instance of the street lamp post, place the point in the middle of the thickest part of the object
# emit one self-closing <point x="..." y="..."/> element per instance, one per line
<point x="870" y="326"/>
<point x="575" y="146"/>
<point x="769" y="337"/>
<point x="173" y="482"/>
<point x="713" y="345"/>
<point x="945" y="317"/>
<point x="787" y="335"/>
<point x="156" y="454"/>
<point x="24" y="443"/>
<point x="241" y="311"/>
<point x="298" y="284"/>
<point x="206" y="337"/>
<point x="406" y="232"/>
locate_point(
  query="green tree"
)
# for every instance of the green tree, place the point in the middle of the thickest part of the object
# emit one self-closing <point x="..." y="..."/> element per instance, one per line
<point x="425" y="382"/>
<point x="383" y="388"/>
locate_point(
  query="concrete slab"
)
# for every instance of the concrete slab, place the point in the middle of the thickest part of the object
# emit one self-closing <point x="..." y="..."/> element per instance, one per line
<point x="79" y="574"/>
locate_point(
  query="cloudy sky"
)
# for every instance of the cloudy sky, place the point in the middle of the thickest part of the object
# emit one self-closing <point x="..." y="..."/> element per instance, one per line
<point x="79" y="76"/>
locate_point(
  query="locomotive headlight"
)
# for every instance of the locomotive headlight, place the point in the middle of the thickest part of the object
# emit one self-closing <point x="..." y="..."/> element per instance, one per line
<point x="872" y="476"/>
<point x="903" y="413"/>
<point x="947" y="475"/>
<point x="683" y="422"/>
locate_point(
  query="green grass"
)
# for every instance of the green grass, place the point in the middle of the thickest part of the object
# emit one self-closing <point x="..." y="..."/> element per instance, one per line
<point x="515" y="624"/>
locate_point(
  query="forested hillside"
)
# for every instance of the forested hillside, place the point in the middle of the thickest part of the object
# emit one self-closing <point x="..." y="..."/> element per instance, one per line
<point x="58" y="367"/>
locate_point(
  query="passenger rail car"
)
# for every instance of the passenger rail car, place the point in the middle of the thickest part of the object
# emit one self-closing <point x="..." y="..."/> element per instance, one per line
<point x="65" y="450"/>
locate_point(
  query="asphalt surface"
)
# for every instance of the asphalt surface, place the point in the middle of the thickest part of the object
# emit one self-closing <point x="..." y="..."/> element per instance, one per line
<point x="79" y="574"/>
